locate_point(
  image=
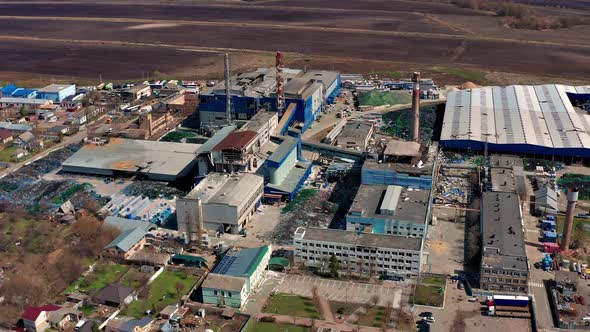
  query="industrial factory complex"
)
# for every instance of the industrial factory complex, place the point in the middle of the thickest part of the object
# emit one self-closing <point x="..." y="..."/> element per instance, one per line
<point x="365" y="196"/>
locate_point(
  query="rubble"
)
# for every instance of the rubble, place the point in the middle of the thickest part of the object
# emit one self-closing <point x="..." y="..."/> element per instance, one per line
<point x="152" y="190"/>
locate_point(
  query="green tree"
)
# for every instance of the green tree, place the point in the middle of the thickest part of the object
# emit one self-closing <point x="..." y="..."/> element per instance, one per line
<point x="334" y="266"/>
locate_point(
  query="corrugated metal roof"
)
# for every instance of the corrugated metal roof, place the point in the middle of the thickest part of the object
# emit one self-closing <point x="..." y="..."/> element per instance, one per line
<point x="537" y="115"/>
<point x="236" y="140"/>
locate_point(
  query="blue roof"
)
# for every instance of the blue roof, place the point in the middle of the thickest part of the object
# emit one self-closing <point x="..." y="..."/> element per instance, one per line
<point x="9" y="89"/>
<point x="20" y="92"/>
<point x="127" y="239"/>
<point x="240" y="263"/>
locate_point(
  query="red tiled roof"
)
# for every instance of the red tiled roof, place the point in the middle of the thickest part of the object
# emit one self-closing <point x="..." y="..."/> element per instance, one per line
<point x="32" y="313"/>
<point x="236" y="140"/>
<point x="5" y="133"/>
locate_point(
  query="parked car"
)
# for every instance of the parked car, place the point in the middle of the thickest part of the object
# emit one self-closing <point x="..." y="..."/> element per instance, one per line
<point x="425" y="314"/>
<point x="429" y="319"/>
<point x="472" y="299"/>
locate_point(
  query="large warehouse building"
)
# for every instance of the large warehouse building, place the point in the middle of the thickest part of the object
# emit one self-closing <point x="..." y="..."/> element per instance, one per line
<point x="536" y="120"/>
<point x="162" y="161"/>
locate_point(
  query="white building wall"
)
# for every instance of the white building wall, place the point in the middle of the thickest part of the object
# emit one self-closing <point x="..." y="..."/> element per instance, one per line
<point x="363" y="261"/>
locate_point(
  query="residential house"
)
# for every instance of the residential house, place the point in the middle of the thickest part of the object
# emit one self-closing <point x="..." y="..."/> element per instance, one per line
<point x="113" y="295"/>
<point x="15" y="127"/>
<point x="61" y="317"/>
<point x="58" y="129"/>
<point x="126" y="244"/>
<point x="76" y="300"/>
<point x="19" y="153"/>
<point x="129" y="324"/>
<point x="35" y="318"/>
<point x="5" y="136"/>
<point x="25" y="140"/>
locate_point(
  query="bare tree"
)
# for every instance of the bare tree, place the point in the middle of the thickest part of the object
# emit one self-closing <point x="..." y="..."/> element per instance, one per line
<point x="179" y="288"/>
<point x="375" y="299"/>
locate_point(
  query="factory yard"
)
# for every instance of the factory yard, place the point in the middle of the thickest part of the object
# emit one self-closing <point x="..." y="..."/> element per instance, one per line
<point x="379" y="38"/>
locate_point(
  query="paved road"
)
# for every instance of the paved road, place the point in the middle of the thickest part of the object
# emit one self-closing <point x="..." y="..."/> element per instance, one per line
<point x="77" y="137"/>
<point x="537" y="277"/>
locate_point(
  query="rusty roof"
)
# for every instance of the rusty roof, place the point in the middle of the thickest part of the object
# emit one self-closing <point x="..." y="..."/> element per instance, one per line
<point x="236" y="140"/>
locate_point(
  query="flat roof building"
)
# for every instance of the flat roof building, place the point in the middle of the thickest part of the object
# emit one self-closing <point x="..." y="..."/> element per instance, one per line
<point x="226" y="201"/>
<point x="399" y="174"/>
<point x="57" y="92"/>
<point x="237" y="274"/>
<point x="356" y="135"/>
<point x="389" y="209"/>
<point x="156" y="160"/>
<point x="535" y="120"/>
<point x="360" y="254"/>
<point x="504" y="264"/>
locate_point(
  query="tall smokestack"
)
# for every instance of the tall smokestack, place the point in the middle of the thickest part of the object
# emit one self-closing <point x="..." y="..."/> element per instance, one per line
<point x="280" y="84"/>
<point x="228" y="118"/>
<point x="572" y="198"/>
<point x="416" y="106"/>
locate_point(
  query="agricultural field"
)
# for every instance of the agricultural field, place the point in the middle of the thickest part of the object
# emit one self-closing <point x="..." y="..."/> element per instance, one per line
<point x="351" y="36"/>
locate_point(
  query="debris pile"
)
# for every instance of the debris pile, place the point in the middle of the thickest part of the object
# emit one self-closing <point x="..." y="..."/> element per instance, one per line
<point x="152" y="190"/>
<point x="316" y="211"/>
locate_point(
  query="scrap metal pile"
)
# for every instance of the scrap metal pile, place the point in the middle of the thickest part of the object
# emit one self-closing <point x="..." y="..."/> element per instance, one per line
<point x="25" y="186"/>
<point x="152" y="190"/>
<point x="452" y="190"/>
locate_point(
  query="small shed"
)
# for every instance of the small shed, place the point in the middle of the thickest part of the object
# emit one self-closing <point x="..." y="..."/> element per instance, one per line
<point x="278" y="263"/>
<point x="545" y="201"/>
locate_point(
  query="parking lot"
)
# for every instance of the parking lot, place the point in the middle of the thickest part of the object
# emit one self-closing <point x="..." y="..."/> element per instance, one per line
<point x="341" y="291"/>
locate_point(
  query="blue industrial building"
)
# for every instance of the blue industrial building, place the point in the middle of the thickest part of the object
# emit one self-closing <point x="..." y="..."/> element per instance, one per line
<point x="388" y="209"/>
<point x="14" y="91"/>
<point x="396" y="174"/>
<point x="285" y="171"/>
<point x="253" y="91"/>
<point x="56" y="92"/>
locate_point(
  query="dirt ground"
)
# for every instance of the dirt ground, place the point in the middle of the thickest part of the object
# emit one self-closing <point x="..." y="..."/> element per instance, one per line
<point x="83" y="40"/>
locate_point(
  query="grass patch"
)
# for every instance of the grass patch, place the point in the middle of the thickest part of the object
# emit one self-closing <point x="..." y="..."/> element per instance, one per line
<point x="6" y="154"/>
<point x="433" y="280"/>
<point x="177" y="136"/>
<point x="375" y="316"/>
<point x="580" y="235"/>
<point x="102" y="275"/>
<point x="162" y="293"/>
<point x="302" y="196"/>
<point x="580" y="181"/>
<point x="399" y="123"/>
<point x="429" y="295"/>
<point x="293" y="305"/>
<point x="378" y="98"/>
<point x="71" y="191"/>
<point x="134" y="278"/>
<point x="88" y="309"/>
<point x="254" y="326"/>
<point x="467" y="75"/>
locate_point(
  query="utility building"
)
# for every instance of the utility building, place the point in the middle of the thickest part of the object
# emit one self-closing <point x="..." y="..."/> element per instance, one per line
<point x="391" y="210"/>
<point x="356" y="135"/>
<point x="358" y="254"/>
<point x="227" y="203"/>
<point x="504" y="264"/>
<point x="285" y="171"/>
